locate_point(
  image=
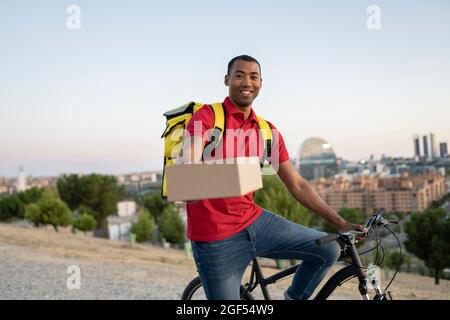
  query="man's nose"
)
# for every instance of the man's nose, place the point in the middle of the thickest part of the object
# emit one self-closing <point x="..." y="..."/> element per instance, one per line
<point x="246" y="82"/>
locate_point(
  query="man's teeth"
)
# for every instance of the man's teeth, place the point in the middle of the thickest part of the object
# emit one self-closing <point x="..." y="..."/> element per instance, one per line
<point x="246" y="92"/>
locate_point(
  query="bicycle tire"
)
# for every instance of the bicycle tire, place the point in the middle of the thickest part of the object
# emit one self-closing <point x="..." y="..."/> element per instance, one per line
<point x="196" y="283"/>
<point x="335" y="281"/>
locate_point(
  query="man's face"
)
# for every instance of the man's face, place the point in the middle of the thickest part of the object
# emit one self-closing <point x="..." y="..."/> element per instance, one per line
<point x="244" y="82"/>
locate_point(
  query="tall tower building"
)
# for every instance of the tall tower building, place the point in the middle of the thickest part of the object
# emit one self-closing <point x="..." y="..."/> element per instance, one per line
<point x="443" y="149"/>
<point x="433" y="147"/>
<point x="21" y="180"/>
<point x="416" y="140"/>
<point x="426" y="155"/>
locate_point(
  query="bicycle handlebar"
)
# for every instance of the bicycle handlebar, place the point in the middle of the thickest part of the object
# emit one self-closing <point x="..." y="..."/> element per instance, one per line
<point x="375" y="220"/>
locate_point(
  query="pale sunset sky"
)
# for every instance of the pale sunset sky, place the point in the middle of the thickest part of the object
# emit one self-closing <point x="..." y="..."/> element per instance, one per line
<point x="91" y="99"/>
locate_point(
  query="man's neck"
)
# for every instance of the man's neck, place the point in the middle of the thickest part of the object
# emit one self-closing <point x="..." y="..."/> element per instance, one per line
<point x="246" y="110"/>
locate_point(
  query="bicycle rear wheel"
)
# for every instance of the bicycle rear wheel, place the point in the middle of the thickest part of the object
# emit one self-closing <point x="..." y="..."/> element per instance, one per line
<point x="194" y="291"/>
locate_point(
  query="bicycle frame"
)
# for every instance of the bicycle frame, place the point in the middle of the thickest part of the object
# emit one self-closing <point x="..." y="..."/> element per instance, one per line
<point x="349" y="250"/>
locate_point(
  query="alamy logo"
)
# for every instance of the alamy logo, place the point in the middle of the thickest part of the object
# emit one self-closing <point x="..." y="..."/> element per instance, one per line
<point x="374" y="19"/>
<point x="74" y="280"/>
<point x="74" y="20"/>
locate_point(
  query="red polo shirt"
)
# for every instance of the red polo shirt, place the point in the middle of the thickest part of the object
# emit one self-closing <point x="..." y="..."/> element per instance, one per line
<point x="216" y="219"/>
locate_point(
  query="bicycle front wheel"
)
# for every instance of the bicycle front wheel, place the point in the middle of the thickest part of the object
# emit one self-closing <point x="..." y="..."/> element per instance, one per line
<point x="343" y="285"/>
<point x="194" y="291"/>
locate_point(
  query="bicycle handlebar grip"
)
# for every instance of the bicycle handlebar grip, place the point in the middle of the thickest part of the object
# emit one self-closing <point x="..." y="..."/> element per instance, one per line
<point x="326" y="239"/>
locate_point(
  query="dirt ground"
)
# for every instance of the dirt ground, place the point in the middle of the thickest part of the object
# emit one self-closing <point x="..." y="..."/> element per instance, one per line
<point x="33" y="262"/>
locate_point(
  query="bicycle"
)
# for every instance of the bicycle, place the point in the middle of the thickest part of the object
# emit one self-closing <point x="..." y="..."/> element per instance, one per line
<point x="354" y="269"/>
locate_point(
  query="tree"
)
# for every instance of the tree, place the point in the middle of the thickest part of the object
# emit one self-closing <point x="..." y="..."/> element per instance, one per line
<point x="155" y="205"/>
<point x="33" y="213"/>
<point x="86" y="209"/>
<point x="144" y="226"/>
<point x="55" y="212"/>
<point x="85" y="222"/>
<point x="11" y="207"/>
<point x="71" y="190"/>
<point x="352" y="215"/>
<point x="30" y="196"/>
<point x="171" y="226"/>
<point x="277" y="199"/>
<point x="394" y="259"/>
<point x="429" y="239"/>
<point x="98" y="192"/>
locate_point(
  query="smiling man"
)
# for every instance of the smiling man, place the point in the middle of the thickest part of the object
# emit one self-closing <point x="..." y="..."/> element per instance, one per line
<point x="226" y="234"/>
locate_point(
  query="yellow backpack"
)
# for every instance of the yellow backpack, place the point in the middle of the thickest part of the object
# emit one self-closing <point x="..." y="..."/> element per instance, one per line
<point x="177" y="121"/>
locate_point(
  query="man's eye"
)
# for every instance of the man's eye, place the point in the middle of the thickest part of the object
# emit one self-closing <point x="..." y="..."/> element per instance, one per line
<point x="254" y="78"/>
<point x="238" y="76"/>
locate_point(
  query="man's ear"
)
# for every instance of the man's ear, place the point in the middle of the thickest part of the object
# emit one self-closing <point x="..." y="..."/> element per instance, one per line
<point x="226" y="80"/>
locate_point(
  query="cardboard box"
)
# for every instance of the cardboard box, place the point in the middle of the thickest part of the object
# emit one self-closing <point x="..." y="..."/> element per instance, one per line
<point x="208" y="181"/>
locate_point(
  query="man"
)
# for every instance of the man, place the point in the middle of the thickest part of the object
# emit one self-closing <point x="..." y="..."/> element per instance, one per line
<point x="226" y="234"/>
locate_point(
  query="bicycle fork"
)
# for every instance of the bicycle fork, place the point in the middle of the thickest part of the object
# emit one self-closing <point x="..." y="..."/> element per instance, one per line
<point x="353" y="253"/>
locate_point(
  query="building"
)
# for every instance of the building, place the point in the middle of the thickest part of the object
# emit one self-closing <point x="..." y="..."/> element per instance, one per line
<point x="404" y="193"/>
<point x="443" y="152"/>
<point x="317" y="159"/>
<point x="426" y="154"/>
<point x="141" y="183"/>
<point x="433" y="148"/>
<point x="21" y="181"/>
<point x="119" y="225"/>
<point x="416" y="140"/>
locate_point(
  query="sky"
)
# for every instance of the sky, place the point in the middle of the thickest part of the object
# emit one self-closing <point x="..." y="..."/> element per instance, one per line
<point x="91" y="99"/>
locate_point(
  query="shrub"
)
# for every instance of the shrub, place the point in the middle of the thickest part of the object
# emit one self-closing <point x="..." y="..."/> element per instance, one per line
<point x="143" y="228"/>
<point x="171" y="226"/>
<point x="85" y="222"/>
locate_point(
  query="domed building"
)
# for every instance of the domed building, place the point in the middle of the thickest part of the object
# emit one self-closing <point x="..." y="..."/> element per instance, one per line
<point x="317" y="159"/>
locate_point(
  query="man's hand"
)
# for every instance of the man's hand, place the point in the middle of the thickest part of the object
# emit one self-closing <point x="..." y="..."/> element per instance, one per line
<point x="353" y="227"/>
<point x="347" y="226"/>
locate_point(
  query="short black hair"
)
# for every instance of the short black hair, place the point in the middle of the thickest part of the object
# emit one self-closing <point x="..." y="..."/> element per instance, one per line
<point x="243" y="57"/>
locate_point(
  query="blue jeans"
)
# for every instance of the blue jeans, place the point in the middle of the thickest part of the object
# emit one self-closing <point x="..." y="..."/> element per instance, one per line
<point x="221" y="264"/>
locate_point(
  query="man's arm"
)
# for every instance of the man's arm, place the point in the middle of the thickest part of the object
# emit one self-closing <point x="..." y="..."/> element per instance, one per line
<point x="305" y="194"/>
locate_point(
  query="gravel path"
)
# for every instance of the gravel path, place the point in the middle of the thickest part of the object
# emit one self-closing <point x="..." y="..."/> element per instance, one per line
<point x="26" y="274"/>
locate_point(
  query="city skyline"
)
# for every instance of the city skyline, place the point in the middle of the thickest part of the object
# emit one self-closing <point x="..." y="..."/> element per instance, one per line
<point x="294" y="157"/>
<point x="91" y="100"/>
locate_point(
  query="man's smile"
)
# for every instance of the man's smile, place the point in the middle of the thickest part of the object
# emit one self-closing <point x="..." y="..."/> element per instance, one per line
<point x="246" y="92"/>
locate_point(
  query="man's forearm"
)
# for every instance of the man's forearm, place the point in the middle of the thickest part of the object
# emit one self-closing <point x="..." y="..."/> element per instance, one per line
<point x="308" y="197"/>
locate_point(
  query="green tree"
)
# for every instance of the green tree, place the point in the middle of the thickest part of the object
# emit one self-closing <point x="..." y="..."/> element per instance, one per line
<point x="33" y="213"/>
<point x="98" y="192"/>
<point x="352" y="215"/>
<point x="55" y="212"/>
<point x="429" y="239"/>
<point x="85" y="222"/>
<point x="71" y="190"/>
<point x="394" y="259"/>
<point x="277" y="199"/>
<point x="31" y="195"/>
<point x="171" y="226"/>
<point x="144" y="226"/>
<point x="155" y="205"/>
<point x="11" y="207"/>
<point x="86" y="209"/>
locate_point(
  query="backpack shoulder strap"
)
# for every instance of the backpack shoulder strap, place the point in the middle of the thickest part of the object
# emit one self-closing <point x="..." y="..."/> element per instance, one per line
<point x="219" y="123"/>
<point x="266" y="133"/>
